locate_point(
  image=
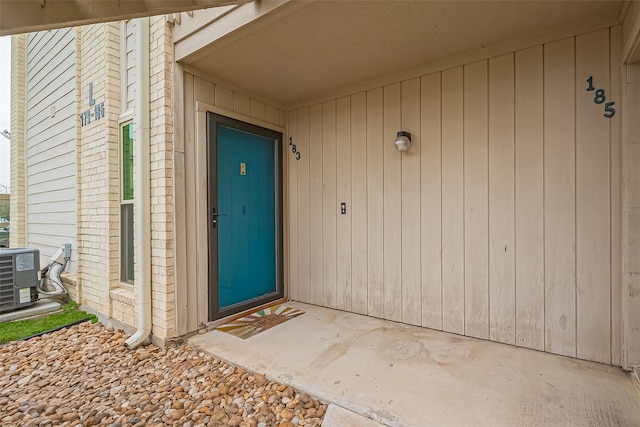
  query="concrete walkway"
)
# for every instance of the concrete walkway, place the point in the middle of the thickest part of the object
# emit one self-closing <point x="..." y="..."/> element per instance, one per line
<point x="400" y="375"/>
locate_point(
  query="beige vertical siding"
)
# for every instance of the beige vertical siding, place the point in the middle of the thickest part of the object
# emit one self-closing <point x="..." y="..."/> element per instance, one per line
<point x="410" y="165"/>
<point x="303" y="232"/>
<point x="392" y="202"/>
<point x="357" y="283"/>
<point x="292" y="185"/>
<point x="329" y="207"/>
<point x="343" y="194"/>
<point x="375" y="198"/>
<point x="631" y="215"/>
<point x="496" y="224"/>
<point x="616" y="202"/>
<point x="476" y="200"/>
<point x="502" y="282"/>
<point x="593" y="199"/>
<point x="627" y="86"/>
<point x="316" y="224"/>
<point x="431" y="200"/>
<point x="529" y="195"/>
<point x="452" y="240"/>
<point x="51" y="121"/>
<point x="560" y="232"/>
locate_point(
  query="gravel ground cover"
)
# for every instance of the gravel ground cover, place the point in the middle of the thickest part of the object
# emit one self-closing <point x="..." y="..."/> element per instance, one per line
<point x="84" y="375"/>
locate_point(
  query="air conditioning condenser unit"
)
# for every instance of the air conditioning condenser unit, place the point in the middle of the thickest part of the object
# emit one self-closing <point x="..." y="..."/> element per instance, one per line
<point x="18" y="278"/>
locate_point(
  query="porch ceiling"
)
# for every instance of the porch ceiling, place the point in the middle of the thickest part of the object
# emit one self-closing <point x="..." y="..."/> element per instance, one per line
<point x="327" y="45"/>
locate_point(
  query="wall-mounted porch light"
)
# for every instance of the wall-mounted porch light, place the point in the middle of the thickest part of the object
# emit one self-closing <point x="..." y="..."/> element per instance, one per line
<point x="403" y="141"/>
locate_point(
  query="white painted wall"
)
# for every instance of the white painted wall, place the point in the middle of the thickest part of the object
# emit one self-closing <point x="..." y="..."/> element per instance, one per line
<point x="51" y="142"/>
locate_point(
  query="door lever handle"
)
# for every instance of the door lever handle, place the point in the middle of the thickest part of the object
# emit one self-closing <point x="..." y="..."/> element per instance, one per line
<point x="214" y="217"/>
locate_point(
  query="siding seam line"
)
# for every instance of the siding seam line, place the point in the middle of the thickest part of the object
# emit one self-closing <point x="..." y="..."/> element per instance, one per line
<point x="488" y="141"/>
<point x="575" y="202"/>
<point x="441" y="275"/>
<point x="544" y="217"/>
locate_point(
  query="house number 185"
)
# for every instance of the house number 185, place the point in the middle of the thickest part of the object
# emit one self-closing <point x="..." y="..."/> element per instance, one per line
<point x="599" y="98"/>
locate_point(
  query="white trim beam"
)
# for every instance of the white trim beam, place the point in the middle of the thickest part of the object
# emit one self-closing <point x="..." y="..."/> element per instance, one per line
<point x="23" y="16"/>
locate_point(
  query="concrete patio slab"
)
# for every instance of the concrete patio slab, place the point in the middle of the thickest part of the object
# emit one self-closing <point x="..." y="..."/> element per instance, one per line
<point x="402" y="375"/>
<point x="39" y="308"/>
<point x="337" y="416"/>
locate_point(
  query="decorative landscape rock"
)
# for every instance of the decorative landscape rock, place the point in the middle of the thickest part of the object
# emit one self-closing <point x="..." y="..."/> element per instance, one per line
<point x="85" y="376"/>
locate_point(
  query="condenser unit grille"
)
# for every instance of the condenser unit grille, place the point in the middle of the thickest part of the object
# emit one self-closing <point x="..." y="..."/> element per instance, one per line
<point x="6" y="281"/>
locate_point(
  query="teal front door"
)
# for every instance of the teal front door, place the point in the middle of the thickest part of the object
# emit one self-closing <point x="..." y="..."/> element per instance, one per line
<point x="245" y="226"/>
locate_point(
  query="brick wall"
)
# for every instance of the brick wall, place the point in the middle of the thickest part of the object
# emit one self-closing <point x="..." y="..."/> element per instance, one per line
<point x="98" y="170"/>
<point x="98" y="186"/>
<point x="17" y="141"/>
<point x="73" y="287"/>
<point x="98" y="285"/>
<point x="161" y="133"/>
<point x="123" y="305"/>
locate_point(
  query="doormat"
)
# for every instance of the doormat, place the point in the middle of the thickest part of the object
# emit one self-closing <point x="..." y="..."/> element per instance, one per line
<point x="254" y="323"/>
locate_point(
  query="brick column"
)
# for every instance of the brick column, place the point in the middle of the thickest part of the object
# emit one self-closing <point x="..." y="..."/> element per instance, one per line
<point x="98" y="185"/>
<point x="18" y="190"/>
<point x="161" y="133"/>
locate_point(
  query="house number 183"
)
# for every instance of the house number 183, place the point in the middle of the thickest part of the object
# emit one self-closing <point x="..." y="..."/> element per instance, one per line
<point x="599" y="98"/>
<point x="294" y="149"/>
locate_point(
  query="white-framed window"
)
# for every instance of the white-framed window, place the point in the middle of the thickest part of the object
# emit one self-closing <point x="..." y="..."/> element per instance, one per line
<point x="127" y="193"/>
<point x="128" y="29"/>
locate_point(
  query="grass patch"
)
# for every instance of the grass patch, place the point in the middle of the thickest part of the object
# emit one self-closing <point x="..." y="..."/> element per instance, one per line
<point x="19" y="329"/>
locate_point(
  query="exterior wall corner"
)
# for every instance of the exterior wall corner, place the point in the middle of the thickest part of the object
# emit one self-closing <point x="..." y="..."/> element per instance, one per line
<point x="18" y="101"/>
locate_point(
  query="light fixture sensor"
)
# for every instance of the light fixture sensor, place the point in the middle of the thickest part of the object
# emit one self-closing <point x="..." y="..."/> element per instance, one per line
<point x="403" y="141"/>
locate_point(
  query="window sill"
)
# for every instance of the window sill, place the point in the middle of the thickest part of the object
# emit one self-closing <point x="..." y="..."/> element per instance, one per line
<point x="123" y="295"/>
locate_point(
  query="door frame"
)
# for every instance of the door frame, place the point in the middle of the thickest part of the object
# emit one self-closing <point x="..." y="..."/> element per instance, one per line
<point x="213" y="120"/>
